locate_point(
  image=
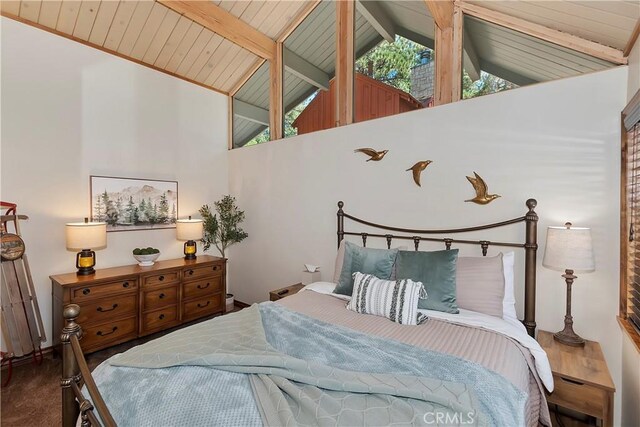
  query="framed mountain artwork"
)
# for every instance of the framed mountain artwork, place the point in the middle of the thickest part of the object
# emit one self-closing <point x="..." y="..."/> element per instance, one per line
<point x="133" y="204"/>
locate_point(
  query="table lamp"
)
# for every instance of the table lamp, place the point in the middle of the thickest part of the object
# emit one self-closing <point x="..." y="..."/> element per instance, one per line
<point x="569" y="249"/>
<point x="189" y="230"/>
<point x="85" y="236"/>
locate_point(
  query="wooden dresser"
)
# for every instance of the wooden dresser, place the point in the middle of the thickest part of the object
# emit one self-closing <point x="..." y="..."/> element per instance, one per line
<point x="122" y="303"/>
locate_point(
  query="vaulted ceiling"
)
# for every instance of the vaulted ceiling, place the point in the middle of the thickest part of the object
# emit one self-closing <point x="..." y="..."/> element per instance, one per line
<point x="159" y="34"/>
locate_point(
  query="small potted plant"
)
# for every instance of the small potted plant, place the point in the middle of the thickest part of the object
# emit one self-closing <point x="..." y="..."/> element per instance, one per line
<point x="222" y="229"/>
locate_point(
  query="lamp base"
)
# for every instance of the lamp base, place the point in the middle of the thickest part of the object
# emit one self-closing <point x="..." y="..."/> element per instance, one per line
<point x="568" y="337"/>
<point x="85" y="271"/>
<point x="85" y="261"/>
<point x="190" y="249"/>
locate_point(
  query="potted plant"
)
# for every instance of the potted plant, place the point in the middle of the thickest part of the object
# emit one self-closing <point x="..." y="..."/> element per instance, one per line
<point x="222" y="228"/>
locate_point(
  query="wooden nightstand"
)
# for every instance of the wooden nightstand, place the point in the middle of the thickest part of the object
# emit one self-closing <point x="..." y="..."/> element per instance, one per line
<point x="581" y="377"/>
<point x="285" y="292"/>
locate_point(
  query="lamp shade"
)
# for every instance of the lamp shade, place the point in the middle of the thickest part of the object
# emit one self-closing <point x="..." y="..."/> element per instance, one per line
<point x="569" y="248"/>
<point x="189" y="229"/>
<point x="86" y="235"/>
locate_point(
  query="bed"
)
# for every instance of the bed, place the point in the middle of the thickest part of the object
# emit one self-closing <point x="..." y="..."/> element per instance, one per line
<point x="307" y="360"/>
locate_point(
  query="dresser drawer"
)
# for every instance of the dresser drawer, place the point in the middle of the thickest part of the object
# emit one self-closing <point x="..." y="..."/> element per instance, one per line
<point x="202" y="307"/>
<point x="202" y="288"/>
<point x="161" y="279"/>
<point x="96" y="291"/>
<point x="158" y="298"/>
<point x="106" y="309"/>
<point x="160" y="319"/>
<point x="198" y="272"/>
<point x="583" y="398"/>
<point x="106" y="334"/>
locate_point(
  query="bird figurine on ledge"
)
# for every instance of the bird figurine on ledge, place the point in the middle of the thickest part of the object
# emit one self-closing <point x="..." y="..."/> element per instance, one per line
<point x="374" y="155"/>
<point x="417" y="170"/>
<point x="482" y="198"/>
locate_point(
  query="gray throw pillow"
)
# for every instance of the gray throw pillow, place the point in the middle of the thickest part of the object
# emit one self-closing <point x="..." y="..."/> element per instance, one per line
<point x="378" y="262"/>
<point x="437" y="272"/>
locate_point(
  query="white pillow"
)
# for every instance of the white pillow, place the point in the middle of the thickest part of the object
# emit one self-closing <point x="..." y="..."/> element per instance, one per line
<point x="395" y="300"/>
<point x="320" y="287"/>
<point x="509" y="301"/>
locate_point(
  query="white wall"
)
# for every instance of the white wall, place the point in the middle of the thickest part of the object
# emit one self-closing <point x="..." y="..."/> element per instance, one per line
<point x="630" y="356"/>
<point x="558" y="142"/>
<point x="69" y="111"/>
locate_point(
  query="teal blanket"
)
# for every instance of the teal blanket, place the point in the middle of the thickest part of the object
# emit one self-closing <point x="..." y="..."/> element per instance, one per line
<point x="301" y="372"/>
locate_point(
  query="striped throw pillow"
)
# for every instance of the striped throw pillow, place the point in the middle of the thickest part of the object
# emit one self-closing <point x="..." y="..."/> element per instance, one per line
<point x="396" y="300"/>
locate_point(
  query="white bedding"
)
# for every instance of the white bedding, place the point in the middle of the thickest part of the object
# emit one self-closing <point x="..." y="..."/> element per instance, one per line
<point x="514" y="330"/>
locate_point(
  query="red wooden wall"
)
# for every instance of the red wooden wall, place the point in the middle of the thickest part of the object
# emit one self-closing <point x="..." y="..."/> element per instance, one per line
<point x="373" y="99"/>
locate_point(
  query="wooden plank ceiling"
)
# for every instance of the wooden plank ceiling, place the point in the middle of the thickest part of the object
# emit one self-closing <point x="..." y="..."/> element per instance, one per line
<point x="607" y="22"/>
<point x="154" y="35"/>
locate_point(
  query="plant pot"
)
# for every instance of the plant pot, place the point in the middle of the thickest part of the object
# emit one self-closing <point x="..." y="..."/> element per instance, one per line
<point x="230" y="301"/>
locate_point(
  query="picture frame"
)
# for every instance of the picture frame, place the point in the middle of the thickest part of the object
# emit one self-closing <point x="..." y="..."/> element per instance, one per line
<point x="131" y="204"/>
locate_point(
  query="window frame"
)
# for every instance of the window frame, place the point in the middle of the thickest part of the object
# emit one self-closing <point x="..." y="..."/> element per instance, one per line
<point x="627" y="130"/>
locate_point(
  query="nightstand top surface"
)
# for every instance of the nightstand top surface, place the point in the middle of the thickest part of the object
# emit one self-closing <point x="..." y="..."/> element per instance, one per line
<point x="584" y="364"/>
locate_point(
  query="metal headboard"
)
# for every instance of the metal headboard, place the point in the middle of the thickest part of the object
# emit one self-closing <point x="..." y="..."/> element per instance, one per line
<point x="530" y="246"/>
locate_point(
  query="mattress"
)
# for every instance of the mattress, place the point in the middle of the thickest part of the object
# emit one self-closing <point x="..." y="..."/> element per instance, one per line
<point x="494" y="350"/>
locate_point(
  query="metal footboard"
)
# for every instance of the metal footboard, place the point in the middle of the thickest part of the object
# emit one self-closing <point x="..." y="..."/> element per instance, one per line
<point x="75" y="375"/>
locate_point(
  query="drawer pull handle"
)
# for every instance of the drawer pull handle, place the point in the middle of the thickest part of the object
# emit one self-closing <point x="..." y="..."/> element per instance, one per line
<point x="190" y="272"/>
<point x="161" y="296"/>
<point x="567" y="380"/>
<point x="161" y="278"/>
<point x="125" y="285"/>
<point x="203" y="287"/>
<point x="161" y="317"/>
<point x="203" y="306"/>
<point x="216" y="267"/>
<point x="104" y="310"/>
<point x="103" y="334"/>
<point x="86" y="291"/>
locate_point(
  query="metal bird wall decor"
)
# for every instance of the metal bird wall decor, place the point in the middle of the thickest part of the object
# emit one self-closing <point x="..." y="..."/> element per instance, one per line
<point x="417" y="170"/>
<point x="482" y="198"/>
<point x="374" y="155"/>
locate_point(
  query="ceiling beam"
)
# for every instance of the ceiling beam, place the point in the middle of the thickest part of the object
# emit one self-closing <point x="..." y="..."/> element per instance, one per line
<point x="276" y="95"/>
<point x="345" y="62"/>
<point x="374" y="14"/>
<point x="226" y="25"/>
<point x="442" y="12"/>
<point x="305" y="70"/>
<point x="632" y="39"/>
<point x="545" y="33"/>
<point x="509" y="75"/>
<point x="301" y="16"/>
<point x="250" y="112"/>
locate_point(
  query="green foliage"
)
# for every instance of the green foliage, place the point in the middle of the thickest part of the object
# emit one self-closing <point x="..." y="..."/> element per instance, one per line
<point x="391" y="62"/>
<point x="146" y="251"/>
<point x="221" y="229"/>
<point x="486" y="84"/>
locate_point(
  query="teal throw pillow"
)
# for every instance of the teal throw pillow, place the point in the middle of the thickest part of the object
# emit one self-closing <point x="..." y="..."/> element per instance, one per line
<point x="437" y="272"/>
<point x="378" y="262"/>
